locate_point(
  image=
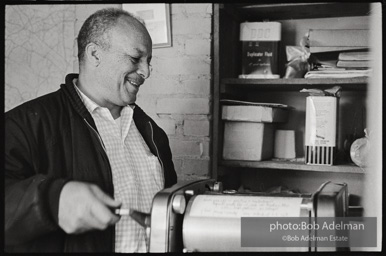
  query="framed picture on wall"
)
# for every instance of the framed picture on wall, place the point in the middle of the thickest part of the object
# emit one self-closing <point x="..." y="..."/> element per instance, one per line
<point x="157" y="20"/>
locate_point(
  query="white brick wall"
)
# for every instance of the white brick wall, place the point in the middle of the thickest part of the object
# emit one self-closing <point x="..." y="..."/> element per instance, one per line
<point x="180" y="65"/>
<point x="183" y="106"/>
<point x="196" y="167"/>
<point x="167" y="124"/>
<point x="196" y="128"/>
<point x="196" y="87"/>
<point x="197" y="47"/>
<point x="178" y="93"/>
<point x="192" y="25"/>
<point x="189" y="148"/>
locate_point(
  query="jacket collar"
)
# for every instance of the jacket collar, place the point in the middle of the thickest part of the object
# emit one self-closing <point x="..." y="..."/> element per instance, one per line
<point x="68" y="88"/>
<point x="73" y="96"/>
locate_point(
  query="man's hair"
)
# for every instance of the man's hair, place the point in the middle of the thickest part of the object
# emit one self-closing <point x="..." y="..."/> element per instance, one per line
<point x="96" y="28"/>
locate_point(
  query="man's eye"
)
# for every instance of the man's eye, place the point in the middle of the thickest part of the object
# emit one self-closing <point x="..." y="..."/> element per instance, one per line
<point x="134" y="60"/>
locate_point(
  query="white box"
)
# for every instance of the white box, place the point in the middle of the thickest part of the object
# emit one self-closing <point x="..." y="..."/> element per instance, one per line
<point x="248" y="141"/>
<point x="321" y="126"/>
<point x="254" y="113"/>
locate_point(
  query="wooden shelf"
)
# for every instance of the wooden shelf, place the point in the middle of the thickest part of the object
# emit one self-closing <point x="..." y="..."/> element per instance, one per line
<point x="301" y="10"/>
<point x="294" y="84"/>
<point x="287" y="165"/>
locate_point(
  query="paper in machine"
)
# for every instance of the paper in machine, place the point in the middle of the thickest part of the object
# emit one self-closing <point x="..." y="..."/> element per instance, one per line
<point x="199" y="216"/>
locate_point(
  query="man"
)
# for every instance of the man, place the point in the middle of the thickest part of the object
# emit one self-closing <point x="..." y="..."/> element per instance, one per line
<point x="75" y="155"/>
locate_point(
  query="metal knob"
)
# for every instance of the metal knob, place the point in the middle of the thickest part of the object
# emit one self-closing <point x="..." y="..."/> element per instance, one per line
<point x="217" y="187"/>
<point x="179" y="204"/>
<point x="189" y="192"/>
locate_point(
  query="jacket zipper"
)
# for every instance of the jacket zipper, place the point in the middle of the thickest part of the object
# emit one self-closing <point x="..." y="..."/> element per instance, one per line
<point x="156" y="148"/>
<point x="111" y="175"/>
<point x="98" y="135"/>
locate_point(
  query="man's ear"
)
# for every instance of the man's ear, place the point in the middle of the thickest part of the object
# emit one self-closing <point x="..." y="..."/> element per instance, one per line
<point x="93" y="54"/>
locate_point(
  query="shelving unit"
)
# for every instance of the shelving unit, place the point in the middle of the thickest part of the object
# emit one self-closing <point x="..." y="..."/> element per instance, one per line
<point x="294" y="84"/>
<point x="296" y="19"/>
<point x="301" y="10"/>
<point x="287" y="165"/>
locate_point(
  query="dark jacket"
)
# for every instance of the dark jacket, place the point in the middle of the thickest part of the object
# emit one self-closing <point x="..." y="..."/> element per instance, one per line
<point x="49" y="141"/>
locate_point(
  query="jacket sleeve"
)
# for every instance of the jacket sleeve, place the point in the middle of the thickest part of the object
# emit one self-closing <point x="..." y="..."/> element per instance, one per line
<point x="31" y="197"/>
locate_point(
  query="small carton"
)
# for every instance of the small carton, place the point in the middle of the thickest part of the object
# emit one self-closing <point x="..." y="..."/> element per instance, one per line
<point x="251" y="141"/>
<point x="321" y="126"/>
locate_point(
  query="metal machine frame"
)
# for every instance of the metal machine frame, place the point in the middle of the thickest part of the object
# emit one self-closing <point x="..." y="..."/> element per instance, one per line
<point x="169" y="205"/>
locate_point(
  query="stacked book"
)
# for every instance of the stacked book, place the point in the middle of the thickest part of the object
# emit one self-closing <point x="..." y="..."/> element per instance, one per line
<point x="354" y="60"/>
<point x="339" y="53"/>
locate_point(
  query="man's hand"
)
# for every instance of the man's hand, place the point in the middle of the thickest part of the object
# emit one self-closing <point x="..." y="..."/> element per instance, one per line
<point x="84" y="206"/>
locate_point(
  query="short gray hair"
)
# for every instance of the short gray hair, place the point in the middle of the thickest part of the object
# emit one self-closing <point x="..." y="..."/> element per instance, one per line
<point x="96" y="27"/>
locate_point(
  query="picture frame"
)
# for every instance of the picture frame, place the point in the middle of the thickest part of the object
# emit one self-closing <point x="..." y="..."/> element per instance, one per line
<point x="157" y="21"/>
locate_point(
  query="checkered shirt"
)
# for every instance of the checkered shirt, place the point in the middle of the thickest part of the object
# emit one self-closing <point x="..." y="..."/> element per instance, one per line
<point x="137" y="173"/>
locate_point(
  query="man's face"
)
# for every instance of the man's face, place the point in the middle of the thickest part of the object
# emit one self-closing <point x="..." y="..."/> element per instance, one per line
<point x="125" y="65"/>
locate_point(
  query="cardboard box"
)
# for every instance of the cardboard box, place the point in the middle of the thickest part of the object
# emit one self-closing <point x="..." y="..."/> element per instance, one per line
<point x="321" y="126"/>
<point x="254" y="113"/>
<point x="339" y="37"/>
<point x="251" y="141"/>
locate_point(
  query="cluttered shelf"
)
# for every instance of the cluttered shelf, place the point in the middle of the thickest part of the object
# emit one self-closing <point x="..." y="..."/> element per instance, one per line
<point x="320" y="47"/>
<point x="300" y="10"/>
<point x="294" y="84"/>
<point x="276" y="164"/>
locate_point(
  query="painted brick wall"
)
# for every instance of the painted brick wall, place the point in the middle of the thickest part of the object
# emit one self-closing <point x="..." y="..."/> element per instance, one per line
<point x="177" y="95"/>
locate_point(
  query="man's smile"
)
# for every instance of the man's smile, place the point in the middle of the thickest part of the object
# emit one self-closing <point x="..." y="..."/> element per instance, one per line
<point x="135" y="82"/>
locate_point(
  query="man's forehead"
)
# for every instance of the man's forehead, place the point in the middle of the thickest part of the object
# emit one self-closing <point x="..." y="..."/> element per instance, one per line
<point x="131" y="38"/>
<point x="131" y="25"/>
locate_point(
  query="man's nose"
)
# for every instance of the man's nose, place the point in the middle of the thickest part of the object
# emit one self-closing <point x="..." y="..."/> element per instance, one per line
<point x="144" y="70"/>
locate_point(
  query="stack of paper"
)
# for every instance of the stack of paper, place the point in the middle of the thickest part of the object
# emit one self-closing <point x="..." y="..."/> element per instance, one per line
<point x="337" y="73"/>
<point x="354" y="60"/>
<point x="339" y="53"/>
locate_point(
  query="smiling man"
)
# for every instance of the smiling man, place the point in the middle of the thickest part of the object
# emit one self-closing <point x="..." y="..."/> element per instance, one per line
<point x="75" y="155"/>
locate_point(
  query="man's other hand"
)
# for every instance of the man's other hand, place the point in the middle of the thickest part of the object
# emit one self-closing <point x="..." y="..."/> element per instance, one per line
<point x="84" y="206"/>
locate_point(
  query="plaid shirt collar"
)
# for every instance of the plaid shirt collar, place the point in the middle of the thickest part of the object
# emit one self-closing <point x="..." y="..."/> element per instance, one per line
<point x="89" y="103"/>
